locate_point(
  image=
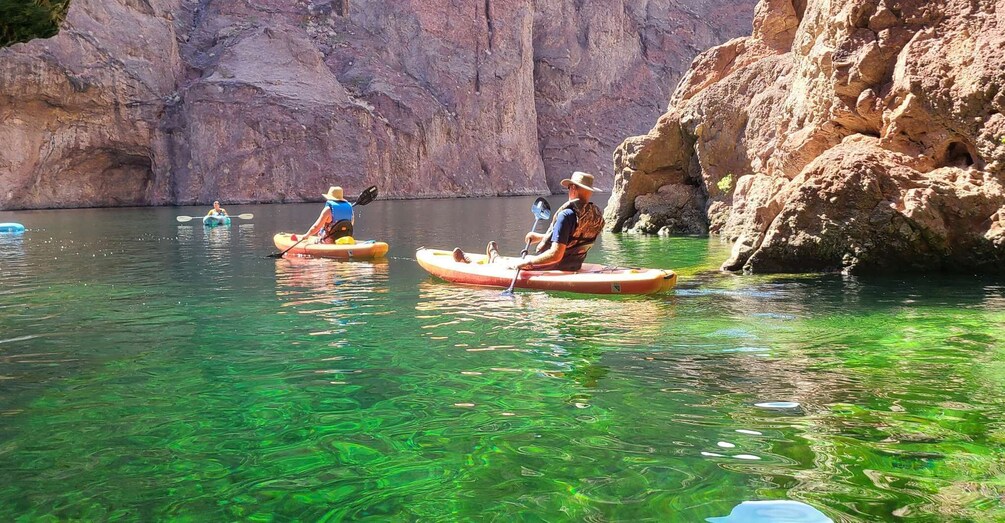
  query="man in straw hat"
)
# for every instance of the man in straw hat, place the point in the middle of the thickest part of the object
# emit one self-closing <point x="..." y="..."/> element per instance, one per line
<point x="336" y="209"/>
<point x="574" y="228"/>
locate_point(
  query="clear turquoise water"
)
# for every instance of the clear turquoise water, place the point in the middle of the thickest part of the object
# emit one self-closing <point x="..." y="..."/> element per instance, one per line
<point x="151" y="370"/>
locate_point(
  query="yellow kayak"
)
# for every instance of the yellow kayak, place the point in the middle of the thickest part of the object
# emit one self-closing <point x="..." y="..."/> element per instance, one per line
<point x="359" y="249"/>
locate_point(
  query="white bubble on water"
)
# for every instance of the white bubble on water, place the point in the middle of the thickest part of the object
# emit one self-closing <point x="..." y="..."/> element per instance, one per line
<point x="778" y="405"/>
<point x="747" y="457"/>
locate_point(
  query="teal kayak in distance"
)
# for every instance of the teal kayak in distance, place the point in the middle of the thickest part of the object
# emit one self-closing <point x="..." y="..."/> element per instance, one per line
<point x="213" y="221"/>
<point x="11" y="228"/>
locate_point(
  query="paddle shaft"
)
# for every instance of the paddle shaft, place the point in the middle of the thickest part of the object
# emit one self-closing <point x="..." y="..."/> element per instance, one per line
<point x="522" y="256"/>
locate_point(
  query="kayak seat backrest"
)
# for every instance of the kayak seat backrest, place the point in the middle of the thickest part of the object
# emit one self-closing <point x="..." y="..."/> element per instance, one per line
<point x="340" y="229"/>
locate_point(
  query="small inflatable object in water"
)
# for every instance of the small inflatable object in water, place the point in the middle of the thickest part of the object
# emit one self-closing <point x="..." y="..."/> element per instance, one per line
<point x="778" y="405"/>
<point x="776" y="511"/>
<point x="11" y="228"/>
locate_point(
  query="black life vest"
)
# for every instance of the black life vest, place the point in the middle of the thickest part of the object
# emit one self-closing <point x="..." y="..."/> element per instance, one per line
<point x="589" y="224"/>
<point x="335" y="230"/>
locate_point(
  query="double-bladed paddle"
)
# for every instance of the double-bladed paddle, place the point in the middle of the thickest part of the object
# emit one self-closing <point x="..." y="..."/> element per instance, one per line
<point x="245" y="216"/>
<point x="368" y="195"/>
<point x="542" y="211"/>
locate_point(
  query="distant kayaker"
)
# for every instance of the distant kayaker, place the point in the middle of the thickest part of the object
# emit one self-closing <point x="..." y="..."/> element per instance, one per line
<point x="336" y="209"/>
<point x="574" y="228"/>
<point x="217" y="210"/>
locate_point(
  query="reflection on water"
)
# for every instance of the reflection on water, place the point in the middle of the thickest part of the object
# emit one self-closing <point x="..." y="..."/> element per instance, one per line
<point x="548" y="315"/>
<point x="565" y="336"/>
<point x="302" y="280"/>
<point x="218" y="244"/>
<point x="690" y="255"/>
<point x="166" y="372"/>
<point x="13" y="265"/>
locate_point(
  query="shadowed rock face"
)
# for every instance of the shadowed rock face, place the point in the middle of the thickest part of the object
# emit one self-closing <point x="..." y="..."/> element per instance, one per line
<point x="141" y="102"/>
<point x="863" y="136"/>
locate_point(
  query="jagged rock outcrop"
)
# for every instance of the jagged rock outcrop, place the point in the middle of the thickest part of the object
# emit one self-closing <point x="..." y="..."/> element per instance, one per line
<point x="185" y="101"/>
<point x="863" y="136"/>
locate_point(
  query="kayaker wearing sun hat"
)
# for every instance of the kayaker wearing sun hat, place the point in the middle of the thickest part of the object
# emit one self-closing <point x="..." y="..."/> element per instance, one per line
<point x="336" y="209"/>
<point x="574" y="228"/>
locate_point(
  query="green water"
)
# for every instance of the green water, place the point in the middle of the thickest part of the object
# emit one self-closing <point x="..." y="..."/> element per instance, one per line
<point x="151" y="370"/>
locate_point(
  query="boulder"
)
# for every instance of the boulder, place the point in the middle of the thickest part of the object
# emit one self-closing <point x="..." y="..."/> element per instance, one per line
<point x="873" y="142"/>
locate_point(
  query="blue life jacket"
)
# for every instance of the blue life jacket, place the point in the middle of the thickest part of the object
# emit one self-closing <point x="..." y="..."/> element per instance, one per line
<point x="339" y="209"/>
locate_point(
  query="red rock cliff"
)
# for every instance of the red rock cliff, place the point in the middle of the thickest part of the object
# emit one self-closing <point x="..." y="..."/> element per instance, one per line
<point x="864" y="136"/>
<point x="142" y="102"/>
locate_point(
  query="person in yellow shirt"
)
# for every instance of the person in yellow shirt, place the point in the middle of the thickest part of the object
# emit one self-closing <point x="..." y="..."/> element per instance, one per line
<point x="217" y="210"/>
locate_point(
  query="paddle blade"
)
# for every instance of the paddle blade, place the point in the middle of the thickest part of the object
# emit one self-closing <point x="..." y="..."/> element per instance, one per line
<point x="184" y="219"/>
<point x="246" y="216"/>
<point x="541" y="209"/>
<point x="367" y="196"/>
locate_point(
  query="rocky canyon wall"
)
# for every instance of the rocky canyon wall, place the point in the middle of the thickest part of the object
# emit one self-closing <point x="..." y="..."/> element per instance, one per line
<point x="862" y="136"/>
<point x="140" y="102"/>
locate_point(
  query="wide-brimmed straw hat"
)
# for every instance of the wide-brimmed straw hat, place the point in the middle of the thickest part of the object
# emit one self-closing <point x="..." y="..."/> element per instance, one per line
<point x="581" y="179"/>
<point x="334" y="193"/>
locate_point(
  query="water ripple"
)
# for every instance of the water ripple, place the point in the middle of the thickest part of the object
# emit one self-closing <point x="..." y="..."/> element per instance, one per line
<point x="165" y="372"/>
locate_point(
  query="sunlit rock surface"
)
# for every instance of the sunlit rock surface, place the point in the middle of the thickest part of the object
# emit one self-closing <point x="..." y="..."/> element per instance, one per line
<point x="186" y="101"/>
<point x="863" y="136"/>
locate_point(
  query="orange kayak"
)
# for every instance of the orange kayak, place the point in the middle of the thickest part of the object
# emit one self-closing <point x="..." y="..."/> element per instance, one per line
<point x="590" y="279"/>
<point x="360" y="249"/>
